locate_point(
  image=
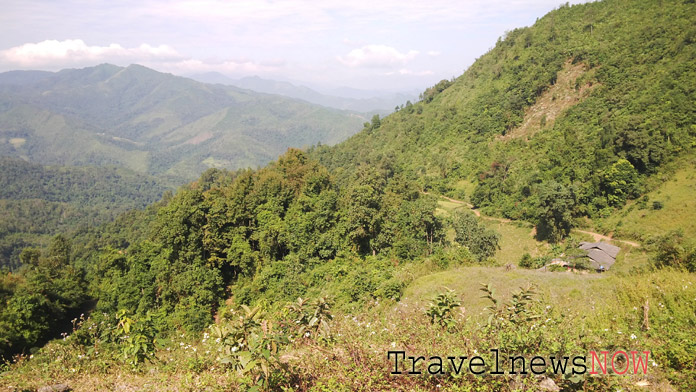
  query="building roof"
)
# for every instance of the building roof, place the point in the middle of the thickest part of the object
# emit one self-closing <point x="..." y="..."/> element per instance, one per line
<point x="601" y="254"/>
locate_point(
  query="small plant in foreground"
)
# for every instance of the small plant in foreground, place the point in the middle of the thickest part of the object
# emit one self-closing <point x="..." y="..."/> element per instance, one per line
<point x="441" y="309"/>
<point x="249" y="345"/>
<point x="136" y="337"/>
<point x="314" y="321"/>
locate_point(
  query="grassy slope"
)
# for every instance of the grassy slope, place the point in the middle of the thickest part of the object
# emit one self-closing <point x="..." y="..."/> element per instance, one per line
<point x="641" y="220"/>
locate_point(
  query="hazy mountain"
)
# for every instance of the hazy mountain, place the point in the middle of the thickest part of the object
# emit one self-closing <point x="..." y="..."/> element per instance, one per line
<point x="21" y="78"/>
<point x="341" y="98"/>
<point x="154" y="122"/>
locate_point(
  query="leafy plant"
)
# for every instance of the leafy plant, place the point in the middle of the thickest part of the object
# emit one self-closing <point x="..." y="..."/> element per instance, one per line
<point x="249" y="344"/>
<point x="136" y="338"/>
<point x="311" y="320"/>
<point x="441" y="309"/>
<point x="517" y="311"/>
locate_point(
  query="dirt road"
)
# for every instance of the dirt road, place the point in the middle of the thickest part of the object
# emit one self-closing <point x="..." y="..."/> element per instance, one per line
<point x="596" y="236"/>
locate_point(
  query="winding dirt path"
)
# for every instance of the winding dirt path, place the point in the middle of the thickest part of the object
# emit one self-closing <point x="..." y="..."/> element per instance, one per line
<point x="599" y="237"/>
<point x="474" y="210"/>
<point x="596" y="236"/>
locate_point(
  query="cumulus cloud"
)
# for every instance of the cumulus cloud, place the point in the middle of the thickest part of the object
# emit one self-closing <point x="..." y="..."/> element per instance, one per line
<point x="59" y="54"/>
<point x="434" y="53"/>
<point x="377" y="56"/>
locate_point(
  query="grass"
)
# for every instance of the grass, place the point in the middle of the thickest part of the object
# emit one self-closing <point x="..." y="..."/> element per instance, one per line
<point x="641" y="220"/>
<point x="580" y="291"/>
<point x="516" y="239"/>
<point x="579" y="312"/>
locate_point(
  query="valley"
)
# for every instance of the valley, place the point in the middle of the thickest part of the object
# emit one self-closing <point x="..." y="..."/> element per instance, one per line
<point x="451" y="227"/>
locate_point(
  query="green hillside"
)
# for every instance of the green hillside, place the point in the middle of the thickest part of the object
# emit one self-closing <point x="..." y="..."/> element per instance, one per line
<point x="153" y="122"/>
<point x="448" y="229"/>
<point x="38" y="202"/>
<point x="561" y="102"/>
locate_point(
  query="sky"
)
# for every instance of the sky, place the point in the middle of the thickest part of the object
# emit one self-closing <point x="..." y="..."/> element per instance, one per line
<point x="386" y="45"/>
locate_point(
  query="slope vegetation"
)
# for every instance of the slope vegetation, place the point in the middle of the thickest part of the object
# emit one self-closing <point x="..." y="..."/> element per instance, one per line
<point x="583" y="89"/>
<point x="153" y="122"/>
<point x="37" y="202"/>
<point x="303" y="275"/>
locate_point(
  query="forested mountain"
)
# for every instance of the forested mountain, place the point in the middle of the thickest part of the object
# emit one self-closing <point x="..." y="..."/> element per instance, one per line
<point x="585" y="105"/>
<point x="303" y="275"/>
<point x="154" y="123"/>
<point x="37" y="202"/>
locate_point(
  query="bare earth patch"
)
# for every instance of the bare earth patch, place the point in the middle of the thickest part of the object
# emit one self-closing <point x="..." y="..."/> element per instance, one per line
<point x="553" y="102"/>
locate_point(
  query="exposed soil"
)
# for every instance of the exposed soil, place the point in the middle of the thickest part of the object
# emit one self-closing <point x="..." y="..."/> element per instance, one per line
<point x="552" y="102"/>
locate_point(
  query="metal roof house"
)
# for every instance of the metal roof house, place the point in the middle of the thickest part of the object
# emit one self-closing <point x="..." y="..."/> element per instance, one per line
<point x="602" y="255"/>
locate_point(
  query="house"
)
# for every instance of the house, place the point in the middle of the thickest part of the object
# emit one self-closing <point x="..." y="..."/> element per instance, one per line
<point x="602" y="255"/>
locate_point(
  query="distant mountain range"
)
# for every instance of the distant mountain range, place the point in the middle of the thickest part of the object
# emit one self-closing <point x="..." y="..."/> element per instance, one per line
<point x="340" y="98"/>
<point x="155" y="123"/>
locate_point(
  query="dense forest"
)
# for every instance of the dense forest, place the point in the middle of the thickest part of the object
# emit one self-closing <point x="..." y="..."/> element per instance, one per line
<point x="303" y="274"/>
<point x="37" y="202"/>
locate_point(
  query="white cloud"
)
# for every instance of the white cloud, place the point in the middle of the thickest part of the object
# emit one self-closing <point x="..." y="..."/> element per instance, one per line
<point x="55" y="55"/>
<point x="433" y="53"/>
<point x="58" y="54"/>
<point x="377" y="56"/>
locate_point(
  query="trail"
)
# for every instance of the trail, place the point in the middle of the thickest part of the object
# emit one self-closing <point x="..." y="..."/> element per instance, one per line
<point x="474" y="210"/>
<point x="596" y="236"/>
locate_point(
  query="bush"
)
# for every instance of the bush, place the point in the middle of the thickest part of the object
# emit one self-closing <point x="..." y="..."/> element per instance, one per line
<point x="441" y="309"/>
<point x="671" y="250"/>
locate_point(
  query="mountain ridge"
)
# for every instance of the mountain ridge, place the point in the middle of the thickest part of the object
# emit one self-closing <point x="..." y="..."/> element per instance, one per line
<point x="343" y="99"/>
<point x="144" y="120"/>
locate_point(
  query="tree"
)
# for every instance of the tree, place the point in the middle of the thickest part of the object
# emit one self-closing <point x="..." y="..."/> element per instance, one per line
<point x="555" y="211"/>
<point x="620" y="182"/>
<point x="376" y="122"/>
<point x="481" y="241"/>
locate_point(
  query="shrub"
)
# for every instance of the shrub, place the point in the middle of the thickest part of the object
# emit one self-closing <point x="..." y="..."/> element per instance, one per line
<point x="136" y="338"/>
<point x="441" y="309"/>
<point x="249" y="344"/>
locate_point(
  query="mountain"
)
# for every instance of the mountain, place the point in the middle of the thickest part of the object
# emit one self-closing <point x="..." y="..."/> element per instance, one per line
<point x="341" y="268"/>
<point x="588" y="101"/>
<point x="22" y="78"/>
<point x="153" y="122"/>
<point x="344" y="99"/>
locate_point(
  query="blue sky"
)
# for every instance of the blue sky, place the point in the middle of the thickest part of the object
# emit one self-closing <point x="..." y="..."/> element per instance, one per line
<point x="368" y="44"/>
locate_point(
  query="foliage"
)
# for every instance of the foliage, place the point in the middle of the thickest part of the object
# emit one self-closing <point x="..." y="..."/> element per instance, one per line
<point x="311" y="322"/>
<point x="533" y="263"/>
<point x="621" y="182"/>
<point x="441" y="309"/>
<point x="673" y="250"/>
<point x="136" y="338"/>
<point x="480" y="241"/>
<point x="248" y="344"/>
<point x="556" y="209"/>
<point x="39" y="202"/>
<point x="44" y="293"/>
<point x="631" y="117"/>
